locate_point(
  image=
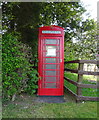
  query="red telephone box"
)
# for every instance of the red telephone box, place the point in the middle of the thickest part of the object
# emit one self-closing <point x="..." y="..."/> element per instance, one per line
<point x="51" y="61"/>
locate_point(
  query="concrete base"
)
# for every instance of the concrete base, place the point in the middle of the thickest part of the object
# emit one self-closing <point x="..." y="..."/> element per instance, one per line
<point x="50" y="99"/>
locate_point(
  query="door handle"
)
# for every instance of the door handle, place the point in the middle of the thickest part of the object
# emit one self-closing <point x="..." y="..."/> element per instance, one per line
<point x="39" y="76"/>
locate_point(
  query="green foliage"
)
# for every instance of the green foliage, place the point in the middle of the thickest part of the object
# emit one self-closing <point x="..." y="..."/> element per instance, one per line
<point x="32" y="83"/>
<point x="18" y="74"/>
<point x="85" y="46"/>
<point x="35" y="14"/>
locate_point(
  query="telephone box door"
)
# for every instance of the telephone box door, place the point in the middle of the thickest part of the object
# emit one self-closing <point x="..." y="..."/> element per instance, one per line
<point x="51" y="66"/>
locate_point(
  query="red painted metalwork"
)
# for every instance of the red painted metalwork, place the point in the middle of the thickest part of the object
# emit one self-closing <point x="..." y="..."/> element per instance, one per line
<point x="51" y="61"/>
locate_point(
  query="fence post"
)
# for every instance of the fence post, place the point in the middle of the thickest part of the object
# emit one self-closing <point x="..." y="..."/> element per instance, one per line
<point x="80" y="78"/>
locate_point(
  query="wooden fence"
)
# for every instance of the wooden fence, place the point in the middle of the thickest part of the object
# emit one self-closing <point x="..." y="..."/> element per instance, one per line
<point x="79" y="83"/>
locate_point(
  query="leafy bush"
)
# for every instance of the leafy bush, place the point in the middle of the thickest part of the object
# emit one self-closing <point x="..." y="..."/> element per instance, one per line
<point x="18" y="74"/>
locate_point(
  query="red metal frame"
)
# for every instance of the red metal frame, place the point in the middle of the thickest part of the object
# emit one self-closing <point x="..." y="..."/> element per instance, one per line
<point x="58" y="91"/>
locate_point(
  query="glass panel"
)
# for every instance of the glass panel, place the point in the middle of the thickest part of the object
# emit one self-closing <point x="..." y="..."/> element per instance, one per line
<point x="51" y="41"/>
<point x="58" y="72"/>
<point x="58" y="67"/>
<point x="57" y="47"/>
<point x="58" y="55"/>
<point x="50" y="73"/>
<point x="50" y="66"/>
<point x="50" y="79"/>
<point x="58" y="41"/>
<point x="50" y="60"/>
<point x="51" y="51"/>
<point x="58" y="60"/>
<point x="50" y="85"/>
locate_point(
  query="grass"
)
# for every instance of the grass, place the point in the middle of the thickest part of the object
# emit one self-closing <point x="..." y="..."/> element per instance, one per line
<point x="86" y="80"/>
<point x="27" y="108"/>
<point x="90" y="77"/>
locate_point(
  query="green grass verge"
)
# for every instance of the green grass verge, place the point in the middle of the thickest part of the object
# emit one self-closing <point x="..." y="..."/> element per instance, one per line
<point x="85" y="91"/>
<point x="44" y="110"/>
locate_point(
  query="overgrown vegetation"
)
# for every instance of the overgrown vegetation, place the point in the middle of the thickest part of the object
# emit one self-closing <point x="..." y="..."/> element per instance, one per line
<point x="18" y="74"/>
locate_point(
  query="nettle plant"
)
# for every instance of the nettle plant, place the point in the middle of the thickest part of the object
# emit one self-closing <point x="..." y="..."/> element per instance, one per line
<point x="18" y="74"/>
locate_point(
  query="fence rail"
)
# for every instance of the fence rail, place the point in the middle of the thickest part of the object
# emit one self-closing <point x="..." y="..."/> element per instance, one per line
<point x="82" y="85"/>
<point x="83" y="61"/>
<point x="81" y="72"/>
<point x="79" y="83"/>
